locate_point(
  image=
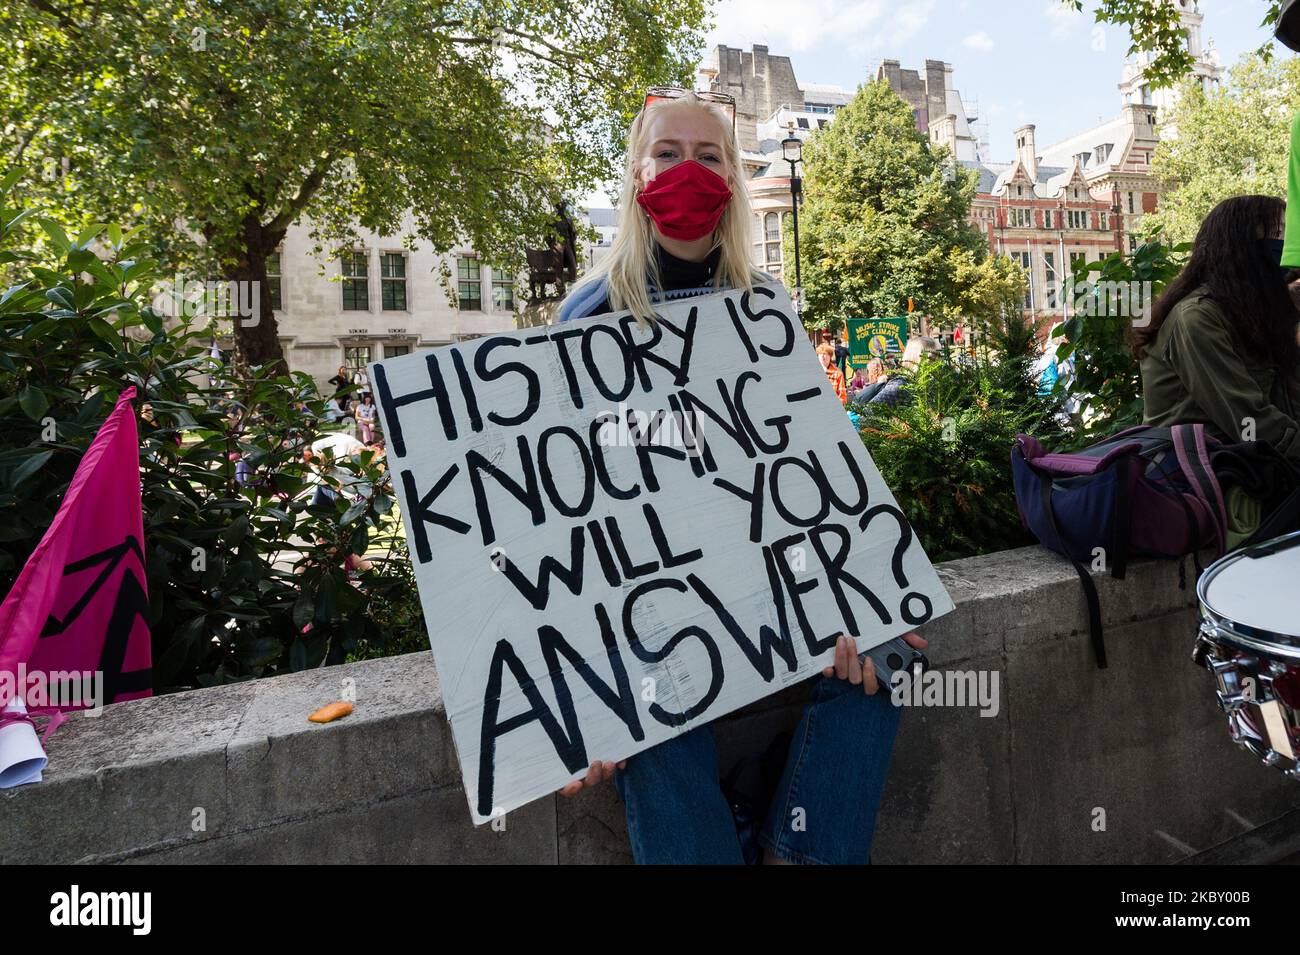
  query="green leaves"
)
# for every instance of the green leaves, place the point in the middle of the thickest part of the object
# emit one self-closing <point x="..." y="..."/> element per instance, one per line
<point x="57" y="236"/>
<point x="943" y="450"/>
<point x="1097" y="335"/>
<point x="29" y="467"/>
<point x="1156" y="28"/>
<point x="33" y="402"/>
<point x="237" y="566"/>
<point x="884" y="218"/>
<point x="1231" y="141"/>
<point x="283" y="116"/>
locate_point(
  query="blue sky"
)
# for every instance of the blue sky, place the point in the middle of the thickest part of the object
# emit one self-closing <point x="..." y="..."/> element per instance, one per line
<point x="1027" y="61"/>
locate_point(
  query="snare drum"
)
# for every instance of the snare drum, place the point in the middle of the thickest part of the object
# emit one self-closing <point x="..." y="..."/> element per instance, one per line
<point x="1250" y="640"/>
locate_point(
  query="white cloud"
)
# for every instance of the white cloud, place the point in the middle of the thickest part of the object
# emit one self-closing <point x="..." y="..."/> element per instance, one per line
<point x="796" y="26"/>
<point x="978" y="41"/>
<point x="1064" y="19"/>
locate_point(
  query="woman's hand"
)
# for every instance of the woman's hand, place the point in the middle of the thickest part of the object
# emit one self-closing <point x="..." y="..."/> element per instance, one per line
<point x="597" y="774"/>
<point x="847" y="667"/>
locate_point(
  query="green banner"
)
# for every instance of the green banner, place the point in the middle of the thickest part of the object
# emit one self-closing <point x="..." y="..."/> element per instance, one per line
<point x="875" y="337"/>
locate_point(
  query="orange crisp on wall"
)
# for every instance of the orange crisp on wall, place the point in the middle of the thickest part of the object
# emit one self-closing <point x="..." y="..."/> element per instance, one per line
<point x="331" y="712"/>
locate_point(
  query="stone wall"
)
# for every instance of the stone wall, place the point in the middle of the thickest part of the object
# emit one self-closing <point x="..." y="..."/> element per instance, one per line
<point x="237" y="774"/>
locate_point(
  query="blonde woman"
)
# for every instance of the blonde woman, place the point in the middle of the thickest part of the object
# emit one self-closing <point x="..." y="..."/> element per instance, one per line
<point x="684" y="230"/>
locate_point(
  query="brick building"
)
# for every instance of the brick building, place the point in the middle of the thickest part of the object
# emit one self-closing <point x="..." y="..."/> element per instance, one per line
<point x="1080" y="198"/>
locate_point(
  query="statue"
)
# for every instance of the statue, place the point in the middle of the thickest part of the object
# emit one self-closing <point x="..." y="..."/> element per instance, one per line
<point x="557" y="264"/>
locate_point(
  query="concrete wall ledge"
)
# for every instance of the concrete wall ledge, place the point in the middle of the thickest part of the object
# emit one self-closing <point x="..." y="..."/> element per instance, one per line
<point x="1129" y="764"/>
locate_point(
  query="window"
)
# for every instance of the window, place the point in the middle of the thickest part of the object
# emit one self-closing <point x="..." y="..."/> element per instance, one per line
<point x="273" y="281"/>
<point x="1130" y="203"/>
<point x="803" y="123"/>
<point x="394" y="351"/>
<point x="1132" y="243"/>
<point x="1047" y="218"/>
<point x="356" y="282"/>
<point x="1022" y="218"/>
<point x="1077" y="219"/>
<point x="772" y="238"/>
<point x="392" y="281"/>
<point x="1049" y="277"/>
<point x="470" y="280"/>
<point x="1076" y="258"/>
<point x="822" y="123"/>
<point x="503" y="291"/>
<point x="1104" y="223"/>
<point x="1025" y="262"/>
<point x="356" y="357"/>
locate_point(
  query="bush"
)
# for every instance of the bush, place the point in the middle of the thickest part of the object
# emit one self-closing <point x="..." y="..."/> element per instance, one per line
<point x="245" y="579"/>
<point x="1106" y="380"/>
<point x="945" y="451"/>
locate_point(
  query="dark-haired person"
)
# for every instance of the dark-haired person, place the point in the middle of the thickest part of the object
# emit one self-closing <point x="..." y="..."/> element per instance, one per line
<point x="341" y="382"/>
<point x="1220" y="348"/>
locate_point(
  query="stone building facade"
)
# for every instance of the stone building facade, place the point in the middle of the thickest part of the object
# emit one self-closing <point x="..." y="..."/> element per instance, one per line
<point x="1207" y="71"/>
<point x="760" y="83"/>
<point x="939" y="109"/>
<point x="379" y="298"/>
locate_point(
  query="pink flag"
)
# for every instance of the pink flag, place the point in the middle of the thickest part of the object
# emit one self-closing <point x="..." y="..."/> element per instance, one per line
<point x="72" y="631"/>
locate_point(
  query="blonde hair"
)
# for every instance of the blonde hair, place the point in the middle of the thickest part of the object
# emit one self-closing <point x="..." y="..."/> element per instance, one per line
<point x="631" y="261"/>
<point x="916" y="347"/>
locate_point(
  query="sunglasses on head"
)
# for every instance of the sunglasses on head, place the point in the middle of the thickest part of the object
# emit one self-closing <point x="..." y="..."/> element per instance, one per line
<point x="660" y="93"/>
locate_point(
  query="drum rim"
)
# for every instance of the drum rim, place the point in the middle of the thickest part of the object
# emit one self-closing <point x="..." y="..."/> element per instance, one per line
<point x="1243" y="635"/>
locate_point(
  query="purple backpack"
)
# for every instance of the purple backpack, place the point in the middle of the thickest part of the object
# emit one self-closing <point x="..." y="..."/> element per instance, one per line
<point x="1145" y="491"/>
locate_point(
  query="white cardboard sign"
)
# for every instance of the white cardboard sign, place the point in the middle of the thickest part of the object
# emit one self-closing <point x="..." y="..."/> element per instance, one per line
<point x="621" y="534"/>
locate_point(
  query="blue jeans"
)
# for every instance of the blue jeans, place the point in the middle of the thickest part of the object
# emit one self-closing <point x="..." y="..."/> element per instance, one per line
<point x="823" y="810"/>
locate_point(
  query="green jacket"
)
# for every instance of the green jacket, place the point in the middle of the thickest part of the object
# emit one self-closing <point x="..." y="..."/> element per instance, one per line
<point x="1198" y="370"/>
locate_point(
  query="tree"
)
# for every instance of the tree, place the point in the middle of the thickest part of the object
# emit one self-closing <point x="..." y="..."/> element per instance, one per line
<point x="1228" y="142"/>
<point x="219" y="125"/>
<point x="247" y="574"/>
<point x="989" y="288"/>
<point x="885" y="216"/>
<point x="1156" y="28"/>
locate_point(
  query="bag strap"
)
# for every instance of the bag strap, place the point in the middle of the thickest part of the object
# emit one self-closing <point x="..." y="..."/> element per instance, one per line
<point x="1085" y="578"/>
<point x="1189" y="444"/>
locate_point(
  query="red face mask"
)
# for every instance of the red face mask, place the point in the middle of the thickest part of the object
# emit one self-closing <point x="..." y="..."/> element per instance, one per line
<point x="686" y="201"/>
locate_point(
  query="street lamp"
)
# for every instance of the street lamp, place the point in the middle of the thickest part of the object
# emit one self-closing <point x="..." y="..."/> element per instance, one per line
<point x="792" y="152"/>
